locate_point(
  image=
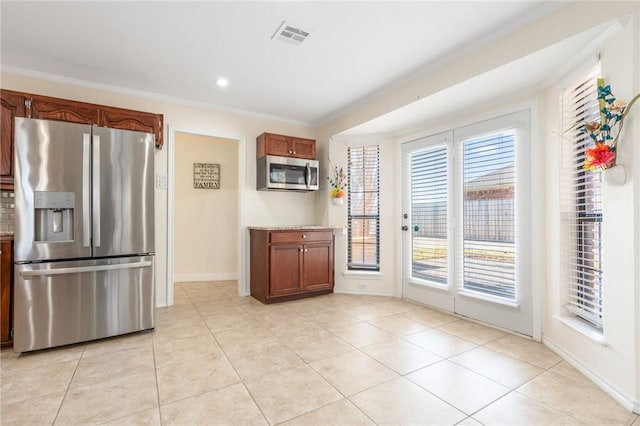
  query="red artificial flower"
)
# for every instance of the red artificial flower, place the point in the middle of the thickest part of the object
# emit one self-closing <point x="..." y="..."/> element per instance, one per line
<point x="600" y="155"/>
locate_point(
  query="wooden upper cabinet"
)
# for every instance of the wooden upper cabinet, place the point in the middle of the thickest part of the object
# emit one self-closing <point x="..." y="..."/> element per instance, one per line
<point x="303" y="148"/>
<point x="12" y="106"/>
<point x="46" y="108"/>
<point x="117" y="118"/>
<point x="285" y="146"/>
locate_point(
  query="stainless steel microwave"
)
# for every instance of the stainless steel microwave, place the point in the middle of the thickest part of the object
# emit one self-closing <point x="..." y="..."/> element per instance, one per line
<point x="285" y="173"/>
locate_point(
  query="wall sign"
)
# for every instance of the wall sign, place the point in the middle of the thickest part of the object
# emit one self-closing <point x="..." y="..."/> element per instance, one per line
<point x="206" y="176"/>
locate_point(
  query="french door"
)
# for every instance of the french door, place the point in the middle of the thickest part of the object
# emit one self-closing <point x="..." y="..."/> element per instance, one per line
<point x="467" y="222"/>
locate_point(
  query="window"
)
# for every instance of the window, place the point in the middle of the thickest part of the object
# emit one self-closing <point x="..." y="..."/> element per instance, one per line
<point x="488" y="214"/>
<point x="363" y="208"/>
<point x="581" y="203"/>
<point x="429" y="214"/>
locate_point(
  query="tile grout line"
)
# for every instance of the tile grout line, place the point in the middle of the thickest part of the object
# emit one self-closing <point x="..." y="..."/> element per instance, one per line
<point x="66" y="392"/>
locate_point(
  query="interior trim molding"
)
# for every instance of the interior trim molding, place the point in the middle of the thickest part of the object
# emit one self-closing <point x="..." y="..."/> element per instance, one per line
<point x="365" y="292"/>
<point x="205" y="277"/>
<point x="622" y="399"/>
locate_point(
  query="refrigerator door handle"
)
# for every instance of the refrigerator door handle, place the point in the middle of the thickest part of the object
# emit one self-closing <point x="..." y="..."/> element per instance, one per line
<point x="96" y="191"/>
<point x="79" y="269"/>
<point x="86" y="195"/>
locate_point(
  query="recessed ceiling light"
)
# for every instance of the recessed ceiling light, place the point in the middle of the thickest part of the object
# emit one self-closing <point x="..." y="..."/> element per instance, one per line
<point x="222" y="82"/>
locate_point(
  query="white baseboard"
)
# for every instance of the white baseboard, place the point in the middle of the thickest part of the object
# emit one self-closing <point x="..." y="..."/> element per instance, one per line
<point x="181" y="278"/>
<point x="364" y="292"/>
<point x="623" y="400"/>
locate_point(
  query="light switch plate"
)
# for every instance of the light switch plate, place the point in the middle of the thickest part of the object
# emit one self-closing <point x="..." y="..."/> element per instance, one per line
<point x="162" y="181"/>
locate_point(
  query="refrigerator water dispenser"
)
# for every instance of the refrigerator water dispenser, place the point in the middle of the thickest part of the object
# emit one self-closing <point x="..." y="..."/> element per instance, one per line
<point x="53" y="216"/>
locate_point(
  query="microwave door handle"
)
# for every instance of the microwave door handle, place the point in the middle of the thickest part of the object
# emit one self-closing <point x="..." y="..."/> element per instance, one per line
<point x="308" y="175"/>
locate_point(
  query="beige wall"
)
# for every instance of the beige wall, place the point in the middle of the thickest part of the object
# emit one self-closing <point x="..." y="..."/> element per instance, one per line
<point x="256" y="207"/>
<point x="206" y="220"/>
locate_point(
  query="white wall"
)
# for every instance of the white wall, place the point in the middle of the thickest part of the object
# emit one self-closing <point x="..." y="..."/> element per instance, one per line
<point x="257" y="207"/>
<point x="612" y="359"/>
<point x="206" y="220"/>
<point x="385" y="282"/>
<point x="615" y="363"/>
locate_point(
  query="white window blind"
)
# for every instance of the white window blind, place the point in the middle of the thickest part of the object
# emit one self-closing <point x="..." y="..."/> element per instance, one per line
<point x="429" y="210"/>
<point x="488" y="215"/>
<point x="363" y="208"/>
<point x="581" y="202"/>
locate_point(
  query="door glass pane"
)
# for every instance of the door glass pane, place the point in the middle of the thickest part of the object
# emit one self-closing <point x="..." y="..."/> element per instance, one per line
<point x="489" y="215"/>
<point x="429" y="189"/>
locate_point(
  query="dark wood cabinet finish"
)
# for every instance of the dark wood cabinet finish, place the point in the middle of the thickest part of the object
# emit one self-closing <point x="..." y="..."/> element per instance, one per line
<point x="285" y="146"/>
<point x="303" y="148"/>
<point x="6" y="291"/>
<point x="117" y="118"/>
<point x="46" y="108"/>
<point x="12" y="106"/>
<point x="291" y="264"/>
<point x="49" y="108"/>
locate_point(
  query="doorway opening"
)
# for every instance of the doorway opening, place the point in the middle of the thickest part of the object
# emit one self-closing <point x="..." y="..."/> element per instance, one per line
<point x="205" y="226"/>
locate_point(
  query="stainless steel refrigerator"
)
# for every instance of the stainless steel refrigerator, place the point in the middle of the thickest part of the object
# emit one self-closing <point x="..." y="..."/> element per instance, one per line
<point x="84" y="233"/>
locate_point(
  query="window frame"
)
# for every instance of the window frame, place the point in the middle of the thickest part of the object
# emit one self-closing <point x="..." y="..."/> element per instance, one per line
<point x="367" y="216"/>
<point x="584" y="252"/>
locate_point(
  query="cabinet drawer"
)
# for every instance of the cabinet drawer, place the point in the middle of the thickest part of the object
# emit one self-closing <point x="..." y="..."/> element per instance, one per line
<point x="301" y="236"/>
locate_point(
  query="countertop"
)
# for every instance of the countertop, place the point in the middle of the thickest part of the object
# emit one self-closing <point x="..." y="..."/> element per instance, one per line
<point x="294" y="228"/>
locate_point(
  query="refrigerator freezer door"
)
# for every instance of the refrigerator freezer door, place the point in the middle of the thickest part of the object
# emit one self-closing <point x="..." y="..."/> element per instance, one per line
<point x="68" y="302"/>
<point x="123" y="189"/>
<point x="51" y="194"/>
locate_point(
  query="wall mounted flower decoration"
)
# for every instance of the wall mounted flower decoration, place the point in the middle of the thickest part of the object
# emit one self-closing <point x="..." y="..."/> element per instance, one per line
<point x="337" y="181"/>
<point x="606" y="133"/>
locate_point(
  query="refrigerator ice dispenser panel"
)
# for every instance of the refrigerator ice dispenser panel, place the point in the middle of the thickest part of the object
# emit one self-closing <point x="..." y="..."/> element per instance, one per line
<point x="53" y="216"/>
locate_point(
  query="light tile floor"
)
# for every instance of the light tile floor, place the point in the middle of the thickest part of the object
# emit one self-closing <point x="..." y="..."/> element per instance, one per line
<point x="216" y="358"/>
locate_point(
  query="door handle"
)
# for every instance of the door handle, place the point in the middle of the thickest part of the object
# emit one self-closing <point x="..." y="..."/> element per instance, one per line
<point x="86" y="195"/>
<point x="80" y="269"/>
<point x="96" y="191"/>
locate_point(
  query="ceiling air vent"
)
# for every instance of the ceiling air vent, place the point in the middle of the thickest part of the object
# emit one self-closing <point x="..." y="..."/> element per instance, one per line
<point x="291" y="34"/>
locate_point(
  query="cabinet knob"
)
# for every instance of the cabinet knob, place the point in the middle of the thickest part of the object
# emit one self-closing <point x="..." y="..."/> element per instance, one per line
<point x="306" y="250"/>
<point x="293" y="152"/>
<point x="301" y="250"/>
<point x="304" y="236"/>
<point x="290" y="152"/>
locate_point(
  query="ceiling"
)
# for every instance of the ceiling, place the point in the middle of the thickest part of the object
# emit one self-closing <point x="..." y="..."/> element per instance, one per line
<point x="180" y="49"/>
<point x="528" y="73"/>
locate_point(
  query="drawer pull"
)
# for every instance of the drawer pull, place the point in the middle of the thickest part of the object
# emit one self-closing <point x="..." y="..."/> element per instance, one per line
<point x="304" y="236"/>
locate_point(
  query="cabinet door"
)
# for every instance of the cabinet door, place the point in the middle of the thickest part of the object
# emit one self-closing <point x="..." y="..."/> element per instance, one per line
<point x="117" y="118"/>
<point x="47" y="108"/>
<point x="285" y="264"/>
<point x="303" y="148"/>
<point x="12" y="106"/>
<point x="277" y="145"/>
<point x="6" y="287"/>
<point x="318" y="266"/>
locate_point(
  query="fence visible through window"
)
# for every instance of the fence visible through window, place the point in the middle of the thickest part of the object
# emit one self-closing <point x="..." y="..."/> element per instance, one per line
<point x="488" y="215"/>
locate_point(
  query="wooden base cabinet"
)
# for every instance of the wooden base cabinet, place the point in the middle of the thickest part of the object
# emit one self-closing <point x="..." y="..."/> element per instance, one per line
<point x="6" y="291"/>
<point x="290" y="264"/>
